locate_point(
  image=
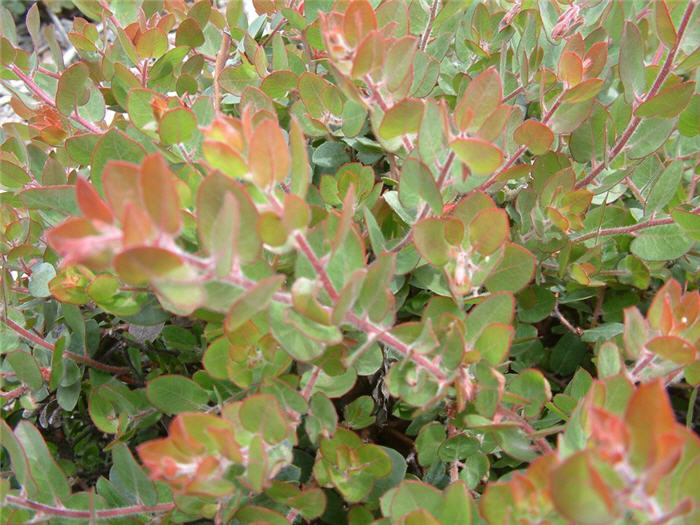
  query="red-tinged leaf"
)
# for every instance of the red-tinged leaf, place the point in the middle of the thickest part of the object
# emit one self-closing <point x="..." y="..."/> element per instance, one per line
<point x="189" y="33"/>
<point x="251" y="302"/>
<point x="301" y="170"/>
<point x="494" y="342"/>
<point x="121" y="186"/>
<point x="470" y="205"/>
<point x="177" y="125"/>
<point x="491" y="129"/>
<point x="586" y="90"/>
<point x="72" y="90"/>
<point x="139" y="264"/>
<point x="402" y="119"/>
<point x="223" y="157"/>
<point x="137" y="226"/>
<point x="515" y="172"/>
<point x="268" y="154"/>
<point x="398" y="64"/>
<point x="580" y="493"/>
<point x="664" y="25"/>
<point x="595" y="59"/>
<point x="78" y="241"/>
<point x="114" y="145"/>
<point x="514" y="271"/>
<point x="481" y="97"/>
<point x="152" y="43"/>
<point x="429" y="238"/>
<point x="481" y="157"/>
<point x="535" y="135"/>
<point x="648" y="416"/>
<point x="673" y="348"/>
<point x="369" y="54"/>
<point x="296" y="214"/>
<point x="159" y="195"/>
<point x="669" y="103"/>
<point x="90" y="202"/>
<point x="569" y="116"/>
<point x="489" y="230"/>
<point x="570" y="68"/>
<point x="631" y="62"/>
<point x="660" y="312"/>
<point x="359" y="20"/>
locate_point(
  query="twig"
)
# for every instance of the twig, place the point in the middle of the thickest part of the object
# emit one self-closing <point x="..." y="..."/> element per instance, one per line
<point x="87" y="514"/>
<point x="573" y="329"/>
<point x="426" y="34"/>
<point x="70" y="355"/>
<point x="629" y="229"/>
<point x="541" y="442"/>
<point x="221" y="57"/>
<point x="632" y="126"/>
<point x="306" y="393"/>
<point x="14" y="393"/>
<point x="691" y="408"/>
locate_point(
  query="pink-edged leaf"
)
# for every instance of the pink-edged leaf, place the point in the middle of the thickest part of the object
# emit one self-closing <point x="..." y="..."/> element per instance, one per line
<point x="121" y="185"/>
<point x="140" y="264"/>
<point x="673" y="348"/>
<point x="359" y="21"/>
<point x="481" y="97"/>
<point x="480" y="156"/>
<point x="535" y="135"/>
<point x="595" y="59"/>
<point x="669" y="103"/>
<point x="489" y="230"/>
<point x="90" y="202"/>
<point x="429" y="238"/>
<point x="251" y="302"/>
<point x="586" y="90"/>
<point x="268" y="154"/>
<point x="514" y="271"/>
<point x="570" y="68"/>
<point x="402" y="119"/>
<point x="159" y="194"/>
<point x="223" y="157"/>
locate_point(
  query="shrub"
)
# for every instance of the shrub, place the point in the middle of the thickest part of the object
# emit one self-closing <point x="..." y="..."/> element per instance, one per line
<point x="404" y="261"/>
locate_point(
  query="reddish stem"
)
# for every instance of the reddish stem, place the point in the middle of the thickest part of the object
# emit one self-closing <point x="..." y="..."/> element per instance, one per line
<point x="660" y="78"/>
<point x="70" y="355"/>
<point x="46" y="99"/>
<point x="88" y="514"/>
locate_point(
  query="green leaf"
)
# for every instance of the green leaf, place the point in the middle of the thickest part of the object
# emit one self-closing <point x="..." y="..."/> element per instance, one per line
<point x="535" y="135"/>
<point x="173" y="394"/>
<point x="260" y="413"/>
<point x="514" y="271"/>
<point x="649" y="136"/>
<point x="661" y="243"/>
<point x="669" y="103"/>
<point x="665" y="187"/>
<point x="251" y="302"/>
<point x="39" y="279"/>
<point x="631" y="62"/>
<point x="177" y="125"/>
<point x="688" y="221"/>
<point x="402" y="119"/>
<point x="429" y="238"/>
<point x="128" y="476"/>
<point x="72" y="91"/>
<point x="480" y="156"/>
<point x="113" y="145"/>
<point x="26" y="368"/>
<point x="458" y="447"/>
<point x="417" y="181"/>
<point x="189" y="34"/>
<point x="59" y="198"/>
<point x="428" y="442"/>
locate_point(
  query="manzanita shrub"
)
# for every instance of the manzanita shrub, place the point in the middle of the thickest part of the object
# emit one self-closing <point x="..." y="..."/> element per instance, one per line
<point x="408" y="261"/>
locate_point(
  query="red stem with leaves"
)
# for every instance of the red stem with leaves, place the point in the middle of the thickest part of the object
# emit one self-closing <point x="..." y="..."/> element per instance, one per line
<point x="88" y="514"/>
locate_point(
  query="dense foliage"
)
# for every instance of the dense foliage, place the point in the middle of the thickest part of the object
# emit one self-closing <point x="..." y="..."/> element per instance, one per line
<point x="408" y="261"/>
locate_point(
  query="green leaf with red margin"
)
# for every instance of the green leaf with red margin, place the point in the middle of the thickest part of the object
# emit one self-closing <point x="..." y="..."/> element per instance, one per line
<point x="26" y="368"/>
<point x="664" y="24"/>
<point x="402" y="119"/>
<point x="514" y="272"/>
<point x="210" y="199"/>
<point x="480" y="156"/>
<point x="496" y="308"/>
<point x="635" y="333"/>
<point x="189" y="34"/>
<point x="398" y="64"/>
<point x="160" y="198"/>
<point x="429" y="238"/>
<point x="90" y="202"/>
<point x="359" y="21"/>
<point x="688" y="221"/>
<point x="250" y="302"/>
<point x="261" y="413"/>
<point x="673" y="348"/>
<point x="72" y="90"/>
<point x="177" y="125"/>
<point x="113" y="145"/>
<point x="417" y="182"/>
<point x="140" y="264"/>
<point x="570" y="68"/>
<point x="535" y="135"/>
<point x="481" y="98"/>
<point x="152" y="43"/>
<point x="580" y="493"/>
<point x="489" y="230"/>
<point x="584" y="91"/>
<point x="494" y="342"/>
<point x="648" y="417"/>
<point x="369" y="54"/>
<point x="268" y="154"/>
<point x="569" y="116"/>
<point x="669" y="103"/>
<point x="631" y="62"/>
